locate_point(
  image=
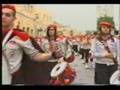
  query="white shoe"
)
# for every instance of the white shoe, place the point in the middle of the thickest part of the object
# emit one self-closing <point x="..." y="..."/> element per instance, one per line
<point x="86" y="66"/>
<point x="83" y="62"/>
<point x="93" y="65"/>
<point x="90" y="64"/>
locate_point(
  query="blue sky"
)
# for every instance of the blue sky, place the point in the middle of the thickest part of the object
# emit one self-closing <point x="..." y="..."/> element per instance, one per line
<point x="79" y="16"/>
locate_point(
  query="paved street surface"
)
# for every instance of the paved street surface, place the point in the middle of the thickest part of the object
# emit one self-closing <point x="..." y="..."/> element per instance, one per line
<point x="84" y="76"/>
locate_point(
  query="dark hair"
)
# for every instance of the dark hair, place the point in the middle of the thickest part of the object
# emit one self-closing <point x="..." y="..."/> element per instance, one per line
<point x="100" y="31"/>
<point x="99" y="37"/>
<point x="55" y="34"/>
<point x="101" y="27"/>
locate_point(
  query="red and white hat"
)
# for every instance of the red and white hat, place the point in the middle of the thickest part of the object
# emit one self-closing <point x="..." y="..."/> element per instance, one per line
<point x="104" y="23"/>
<point x="9" y="6"/>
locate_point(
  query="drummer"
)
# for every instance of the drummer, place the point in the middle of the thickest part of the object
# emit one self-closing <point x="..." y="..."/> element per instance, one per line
<point x="105" y="50"/>
<point x="53" y="43"/>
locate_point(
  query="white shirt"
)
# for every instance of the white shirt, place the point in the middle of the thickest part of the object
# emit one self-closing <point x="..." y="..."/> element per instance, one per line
<point x="6" y="76"/>
<point x="64" y="49"/>
<point x="98" y="51"/>
<point x="14" y="52"/>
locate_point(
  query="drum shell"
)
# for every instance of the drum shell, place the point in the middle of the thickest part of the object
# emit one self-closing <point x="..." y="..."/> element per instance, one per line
<point x="68" y="74"/>
<point x="70" y="59"/>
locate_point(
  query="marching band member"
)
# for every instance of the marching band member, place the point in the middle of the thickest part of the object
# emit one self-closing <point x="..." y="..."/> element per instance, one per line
<point x="105" y="50"/>
<point x="82" y="47"/>
<point x="65" y="48"/>
<point x="15" y="45"/>
<point x="51" y="43"/>
<point x="87" y="46"/>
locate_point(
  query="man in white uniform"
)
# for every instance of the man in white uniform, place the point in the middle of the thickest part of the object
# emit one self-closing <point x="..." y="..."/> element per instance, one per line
<point x="14" y="45"/>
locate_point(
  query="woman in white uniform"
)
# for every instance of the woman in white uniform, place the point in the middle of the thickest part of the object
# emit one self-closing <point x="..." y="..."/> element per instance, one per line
<point x="53" y="43"/>
<point x="105" y="51"/>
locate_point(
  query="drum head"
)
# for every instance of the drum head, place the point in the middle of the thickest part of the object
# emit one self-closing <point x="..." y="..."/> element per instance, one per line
<point x="115" y="78"/>
<point x="58" y="69"/>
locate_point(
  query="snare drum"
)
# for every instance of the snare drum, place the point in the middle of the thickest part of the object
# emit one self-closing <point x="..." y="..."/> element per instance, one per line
<point x="115" y="78"/>
<point x="62" y="74"/>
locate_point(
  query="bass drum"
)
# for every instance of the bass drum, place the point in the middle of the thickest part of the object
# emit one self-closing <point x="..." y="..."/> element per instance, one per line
<point x="115" y="78"/>
<point x="62" y="74"/>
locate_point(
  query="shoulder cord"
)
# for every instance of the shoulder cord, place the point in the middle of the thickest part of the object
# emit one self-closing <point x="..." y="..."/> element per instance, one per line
<point x="108" y="50"/>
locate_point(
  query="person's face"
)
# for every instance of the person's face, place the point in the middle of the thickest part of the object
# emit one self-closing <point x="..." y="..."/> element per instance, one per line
<point x="51" y="31"/>
<point x="105" y="29"/>
<point x="7" y="17"/>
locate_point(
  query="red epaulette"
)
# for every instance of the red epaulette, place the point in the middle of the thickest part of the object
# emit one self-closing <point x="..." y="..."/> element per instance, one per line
<point x="23" y="36"/>
<point x="60" y="37"/>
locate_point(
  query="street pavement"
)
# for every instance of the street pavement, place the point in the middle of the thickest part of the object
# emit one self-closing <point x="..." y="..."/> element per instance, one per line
<point x="83" y="76"/>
